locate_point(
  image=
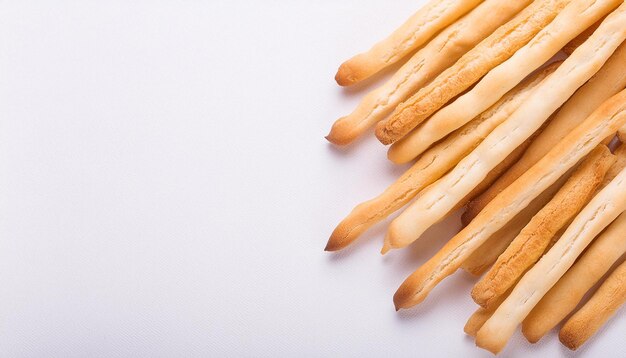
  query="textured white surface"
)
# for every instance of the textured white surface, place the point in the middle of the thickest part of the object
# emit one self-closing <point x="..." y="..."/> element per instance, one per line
<point x="165" y="188"/>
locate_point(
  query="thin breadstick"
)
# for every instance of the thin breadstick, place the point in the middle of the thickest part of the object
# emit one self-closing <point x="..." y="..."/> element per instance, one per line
<point x="479" y="317"/>
<point x="488" y="253"/>
<point x="597" y="215"/>
<point x="601" y="307"/>
<point x="440" y="197"/>
<point x="428" y="62"/>
<point x="415" y="32"/>
<point x="576" y="42"/>
<point x="532" y="241"/>
<point x="608" y="81"/>
<point x="503" y="77"/>
<point x="492" y="51"/>
<point x="432" y="165"/>
<point x="565" y="154"/>
<point x="567" y="293"/>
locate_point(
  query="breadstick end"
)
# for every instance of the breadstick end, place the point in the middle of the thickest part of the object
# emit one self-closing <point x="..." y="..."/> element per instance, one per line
<point x="568" y="339"/>
<point x="345" y="75"/>
<point x="342" y="133"/>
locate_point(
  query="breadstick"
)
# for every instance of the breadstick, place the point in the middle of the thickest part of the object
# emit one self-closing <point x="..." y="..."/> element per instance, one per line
<point x="479" y="317"/>
<point x="429" y="61"/>
<point x="576" y="42"/>
<point x="468" y="69"/>
<point x="597" y="215"/>
<point x="481" y="259"/>
<point x="506" y="75"/>
<point x="567" y="293"/>
<point x="440" y="197"/>
<point x="432" y="165"/>
<point x="608" y="81"/>
<point x="595" y="313"/>
<point x="565" y="154"/>
<point x="415" y="32"/>
<point x="532" y="241"/>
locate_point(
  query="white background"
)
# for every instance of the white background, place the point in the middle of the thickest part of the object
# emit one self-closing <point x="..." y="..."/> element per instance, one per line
<point x="165" y="188"/>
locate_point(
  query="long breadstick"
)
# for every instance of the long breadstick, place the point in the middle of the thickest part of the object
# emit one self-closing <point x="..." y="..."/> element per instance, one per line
<point x="596" y="216"/>
<point x="565" y="154"/>
<point x="532" y="241"/>
<point x="432" y="165"/>
<point x="418" y="29"/>
<point x="468" y="69"/>
<point x="608" y="81"/>
<point x="429" y="61"/>
<point x="506" y="75"/>
<point x="568" y="292"/>
<point x="439" y="198"/>
<point x="480" y="260"/>
<point x="601" y="307"/>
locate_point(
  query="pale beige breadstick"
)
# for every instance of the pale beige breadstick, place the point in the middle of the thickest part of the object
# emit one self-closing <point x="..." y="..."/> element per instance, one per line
<point x="567" y="293"/>
<point x="601" y="307"/>
<point x="595" y="217"/>
<point x="503" y="77"/>
<point x="532" y="241"/>
<point x="432" y="165"/>
<point x="481" y="259"/>
<point x="440" y="197"/>
<point x="429" y="61"/>
<point x="565" y="154"/>
<point x="416" y="31"/>
<point x="479" y="317"/>
<point x="608" y="81"/>
<point x="576" y="42"/>
<point x="492" y="51"/>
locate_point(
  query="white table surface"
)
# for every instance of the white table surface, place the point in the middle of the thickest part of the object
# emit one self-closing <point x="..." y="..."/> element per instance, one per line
<point x="166" y="190"/>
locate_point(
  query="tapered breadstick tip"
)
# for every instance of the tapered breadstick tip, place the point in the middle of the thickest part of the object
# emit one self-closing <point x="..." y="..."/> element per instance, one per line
<point x="386" y="247"/>
<point x="345" y="75"/>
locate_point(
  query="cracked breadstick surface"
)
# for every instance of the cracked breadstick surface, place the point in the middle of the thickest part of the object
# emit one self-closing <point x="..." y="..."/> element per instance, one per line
<point x="492" y="51"/>
<point x="432" y="165"/>
<point x="563" y="298"/>
<point x="596" y="216"/>
<point x="416" y="31"/>
<point x="428" y="62"/>
<point x="507" y="74"/>
<point x="439" y="198"/>
<point x="594" y="314"/>
<point x="535" y="237"/>
<point x="609" y="80"/>
<point x="565" y="154"/>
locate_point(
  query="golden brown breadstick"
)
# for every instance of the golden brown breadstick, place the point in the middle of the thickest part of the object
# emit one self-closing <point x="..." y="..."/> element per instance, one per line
<point x="565" y="154"/>
<point x="468" y="69"/>
<point x="601" y="307"/>
<point x="503" y="77"/>
<point x="532" y="241"/>
<point x="595" y="217"/>
<point x="567" y="293"/>
<point x="439" y="198"/>
<point x="429" y="61"/>
<point x="608" y="81"/>
<point x="481" y="259"/>
<point x="576" y="42"/>
<point x="416" y="31"/>
<point x="432" y="165"/>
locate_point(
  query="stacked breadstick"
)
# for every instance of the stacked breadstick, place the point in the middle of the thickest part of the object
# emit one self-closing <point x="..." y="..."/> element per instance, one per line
<point x="534" y="149"/>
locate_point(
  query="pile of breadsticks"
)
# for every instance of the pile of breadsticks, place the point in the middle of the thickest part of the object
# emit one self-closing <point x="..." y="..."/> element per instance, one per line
<point x="530" y="146"/>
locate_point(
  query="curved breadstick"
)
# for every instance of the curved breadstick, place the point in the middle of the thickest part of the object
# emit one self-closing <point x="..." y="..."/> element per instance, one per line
<point x="432" y="165"/>
<point x="429" y="61"/>
<point x="608" y="81"/>
<point x="601" y="307"/>
<point x="418" y="29"/>
<point x="439" y="198"/>
<point x="532" y="241"/>
<point x="597" y="215"/>
<point x="569" y="291"/>
<point x="578" y="40"/>
<point x="511" y="201"/>
<point x="506" y="75"/>
<point x="488" y="253"/>
<point x="468" y="69"/>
